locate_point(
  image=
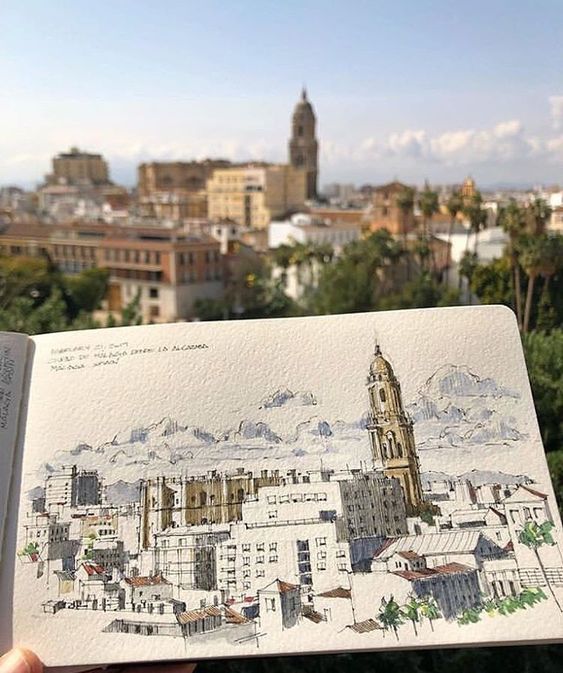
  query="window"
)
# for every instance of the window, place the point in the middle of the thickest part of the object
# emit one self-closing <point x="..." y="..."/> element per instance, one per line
<point x="321" y="496"/>
<point x="273" y="546"/>
<point x="272" y="514"/>
<point x="283" y="499"/>
<point x="260" y="573"/>
<point x="271" y="499"/>
<point x="273" y="558"/>
<point x="382" y="394"/>
<point x="153" y="292"/>
<point x="246" y="560"/>
<point x="154" y="311"/>
<point x="245" y="547"/>
<point x="260" y="546"/>
<point x="321" y="554"/>
<point x="342" y="566"/>
<point x="259" y="559"/>
<point x="246" y="574"/>
<point x="321" y="541"/>
<point x="296" y="497"/>
<point x="321" y="565"/>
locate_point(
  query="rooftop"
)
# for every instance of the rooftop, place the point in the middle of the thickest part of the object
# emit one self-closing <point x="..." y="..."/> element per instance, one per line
<point x="150" y="580"/>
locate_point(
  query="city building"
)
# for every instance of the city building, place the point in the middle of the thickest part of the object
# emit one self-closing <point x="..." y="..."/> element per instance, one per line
<point x="210" y="499"/>
<point x="176" y="177"/>
<point x="280" y="606"/>
<point x="76" y="167"/>
<point x="386" y="212"/>
<point x="167" y="269"/>
<point x="71" y="487"/>
<point x="309" y="229"/>
<point x="303" y="145"/>
<point x="254" y="194"/>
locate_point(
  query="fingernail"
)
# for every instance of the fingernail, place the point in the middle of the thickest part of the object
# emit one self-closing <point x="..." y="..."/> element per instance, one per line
<point x="14" y="662"/>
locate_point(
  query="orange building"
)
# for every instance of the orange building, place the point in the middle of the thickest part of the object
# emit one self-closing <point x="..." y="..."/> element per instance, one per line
<point x="169" y="270"/>
<point x="385" y="211"/>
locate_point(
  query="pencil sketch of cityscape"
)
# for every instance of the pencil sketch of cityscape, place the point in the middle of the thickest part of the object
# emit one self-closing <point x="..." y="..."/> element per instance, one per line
<point x="166" y="531"/>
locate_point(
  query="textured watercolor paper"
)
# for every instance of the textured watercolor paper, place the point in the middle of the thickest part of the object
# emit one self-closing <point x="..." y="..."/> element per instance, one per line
<point x="297" y="485"/>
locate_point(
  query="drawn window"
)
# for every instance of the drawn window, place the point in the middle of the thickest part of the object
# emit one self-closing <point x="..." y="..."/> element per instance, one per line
<point x="259" y="559"/>
<point x="382" y="394"/>
<point x="246" y="560"/>
<point x="321" y="541"/>
<point x="321" y="554"/>
<point x="271" y="500"/>
<point x="273" y="558"/>
<point x="321" y="565"/>
<point x="321" y="496"/>
<point x="245" y="547"/>
<point x="273" y="546"/>
<point x="260" y="573"/>
<point x="284" y="498"/>
<point x="272" y="514"/>
<point x="260" y="546"/>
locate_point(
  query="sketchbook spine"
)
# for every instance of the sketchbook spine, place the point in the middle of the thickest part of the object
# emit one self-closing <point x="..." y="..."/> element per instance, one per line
<point x="13" y="361"/>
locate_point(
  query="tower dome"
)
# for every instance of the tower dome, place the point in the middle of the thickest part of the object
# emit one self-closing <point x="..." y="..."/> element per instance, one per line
<point x="379" y="365"/>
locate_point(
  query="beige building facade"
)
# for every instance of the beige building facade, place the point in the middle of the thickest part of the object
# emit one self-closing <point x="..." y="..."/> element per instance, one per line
<point x="79" y="168"/>
<point x="253" y="195"/>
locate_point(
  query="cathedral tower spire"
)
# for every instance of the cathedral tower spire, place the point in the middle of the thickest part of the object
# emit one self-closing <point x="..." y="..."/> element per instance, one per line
<point x="303" y="145"/>
<point x="391" y="431"/>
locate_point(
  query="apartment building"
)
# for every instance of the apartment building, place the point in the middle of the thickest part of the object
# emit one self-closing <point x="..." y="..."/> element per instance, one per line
<point x="169" y="270"/>
<point x="255" y="194"/>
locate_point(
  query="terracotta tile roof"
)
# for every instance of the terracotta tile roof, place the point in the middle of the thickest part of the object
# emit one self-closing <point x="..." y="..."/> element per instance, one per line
<point x="285" y="587"/>
<point x="315" y="617"/>
<point x="339" y="592"/>
<point x="93" y="569"/>
<point x="534" y="492"/>
<point x="425" y="573"/>
<point x="365" y="626"/>
<point x="197" y="615"/>
<point x="148" y="581"/>
<point x="234" y="617"/>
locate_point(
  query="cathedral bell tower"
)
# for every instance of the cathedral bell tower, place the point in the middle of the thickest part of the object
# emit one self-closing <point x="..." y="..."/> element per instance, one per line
<point x="391" y="431"/>
<point x="303" y="145"/>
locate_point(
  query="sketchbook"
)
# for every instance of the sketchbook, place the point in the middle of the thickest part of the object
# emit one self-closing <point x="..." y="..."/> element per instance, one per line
<point x="302" y="485"/>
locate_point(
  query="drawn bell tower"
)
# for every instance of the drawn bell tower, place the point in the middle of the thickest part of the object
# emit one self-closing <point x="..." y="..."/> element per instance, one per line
<point x="391" y="431"/>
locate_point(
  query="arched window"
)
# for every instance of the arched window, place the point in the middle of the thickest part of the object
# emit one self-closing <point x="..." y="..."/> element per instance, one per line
<point x="203" y="499"/>
<point x="392" y="445"/>
<point x="384" y="449"/>
<point x="240" y="494"/>
<point x="382" y="395"/>
<point x="400" y="449"/>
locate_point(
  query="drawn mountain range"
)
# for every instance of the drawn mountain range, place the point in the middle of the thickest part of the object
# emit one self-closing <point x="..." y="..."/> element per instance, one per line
<point x="454" y="408"/>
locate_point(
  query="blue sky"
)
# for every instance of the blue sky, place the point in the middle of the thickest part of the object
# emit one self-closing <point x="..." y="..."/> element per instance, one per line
<point x="413" y="89"/>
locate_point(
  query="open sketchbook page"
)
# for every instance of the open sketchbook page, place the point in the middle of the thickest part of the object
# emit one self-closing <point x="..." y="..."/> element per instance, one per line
<point x="300" y="485"/>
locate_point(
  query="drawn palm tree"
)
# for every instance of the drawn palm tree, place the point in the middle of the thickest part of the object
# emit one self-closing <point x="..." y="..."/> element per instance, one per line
<point x="390" y="615"/>
<point x="429" y="609"/>
<point x="411" y="610"/>
<point x="534" y="536"/>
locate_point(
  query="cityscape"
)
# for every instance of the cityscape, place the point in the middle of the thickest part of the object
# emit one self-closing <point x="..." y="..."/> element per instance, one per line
<point x="368" y="545"/>
<point x="201" y="239"/>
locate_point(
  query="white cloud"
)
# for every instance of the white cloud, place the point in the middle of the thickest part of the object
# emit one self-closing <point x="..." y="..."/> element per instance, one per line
<point x="556" y="105"/>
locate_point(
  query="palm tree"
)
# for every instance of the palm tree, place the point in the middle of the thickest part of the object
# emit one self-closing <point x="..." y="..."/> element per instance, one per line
<point x="405" y="203"/>
<point x="477" y="217"/>
<point x="430" y="610"/>
<point x="411" y="611"/>
<point x="454" y="206"/>
<point x="534" y="536"/>
<point x="390" y="615"/>
<point x="428" y="204"/>
<point x="533" y="252"/>
<point x="512" y="220"/>
<point x="539" y="213"/>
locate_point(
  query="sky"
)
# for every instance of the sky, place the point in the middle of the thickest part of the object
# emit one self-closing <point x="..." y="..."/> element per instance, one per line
<point x="415" y="89"/>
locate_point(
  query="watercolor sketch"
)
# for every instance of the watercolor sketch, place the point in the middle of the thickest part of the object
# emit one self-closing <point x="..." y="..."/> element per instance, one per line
<point x="172" y="531"/>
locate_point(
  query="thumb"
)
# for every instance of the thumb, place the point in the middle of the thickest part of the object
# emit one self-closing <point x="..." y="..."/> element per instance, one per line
<point x="19" y="660"/>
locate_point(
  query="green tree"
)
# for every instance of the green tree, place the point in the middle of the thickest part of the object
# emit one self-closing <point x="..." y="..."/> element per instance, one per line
<point x="411" y="611"/>
<point x="512" y="220"/>
<point x="535" y="536"/>
<point x="454" y="206"/>
<point x="544" y="360"/>
<point x="86" y="290"/>
<point x="429" y="610"/>
<point x="534" y="254"/>
<point x="405" y="203"/>
<point x="390" y="615"/>
<point x="538" y="213"/>
<point x="429" y="206"/>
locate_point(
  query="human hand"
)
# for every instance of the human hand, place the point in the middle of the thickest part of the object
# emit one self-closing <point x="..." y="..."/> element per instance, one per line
<point x="19" y="660"/>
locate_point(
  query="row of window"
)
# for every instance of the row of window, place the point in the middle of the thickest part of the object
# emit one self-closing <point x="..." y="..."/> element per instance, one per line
<point x="188" y="258"/>
<point x="296" y="497"/>
<point x="75" y="251"/>
<point x="132" y="256"/>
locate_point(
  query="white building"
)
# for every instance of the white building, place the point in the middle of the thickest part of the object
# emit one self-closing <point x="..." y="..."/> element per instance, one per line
<point x="307" y="229"/>
<point x="305" y="552"/>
